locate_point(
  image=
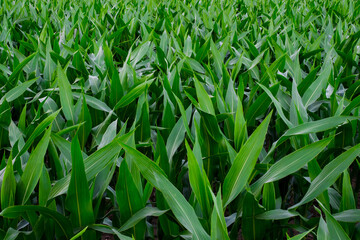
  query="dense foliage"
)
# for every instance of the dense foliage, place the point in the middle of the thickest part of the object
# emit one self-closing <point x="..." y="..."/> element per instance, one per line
<point x="176" y="119"/>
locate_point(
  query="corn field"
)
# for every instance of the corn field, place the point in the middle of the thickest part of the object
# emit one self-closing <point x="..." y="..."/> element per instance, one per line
<point x="191" y="119"/>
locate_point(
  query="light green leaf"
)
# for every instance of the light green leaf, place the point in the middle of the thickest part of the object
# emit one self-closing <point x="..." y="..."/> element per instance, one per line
<point x="18" y="90"/>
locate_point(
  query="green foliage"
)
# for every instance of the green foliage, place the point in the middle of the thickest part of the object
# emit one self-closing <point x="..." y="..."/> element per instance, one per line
<point x="152" y="119"/>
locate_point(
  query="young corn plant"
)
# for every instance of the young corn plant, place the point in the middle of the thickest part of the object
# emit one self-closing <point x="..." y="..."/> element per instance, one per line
<point x="152" y="119"/>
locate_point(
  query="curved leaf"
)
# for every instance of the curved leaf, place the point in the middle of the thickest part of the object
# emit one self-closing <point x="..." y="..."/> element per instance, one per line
<point x="329" y="174"/>
<point x="63" y="223"/>
<point x="178" y="204"/>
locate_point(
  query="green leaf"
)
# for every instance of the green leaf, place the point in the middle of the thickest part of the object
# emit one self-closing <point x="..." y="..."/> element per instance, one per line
<point x="109" y="230"/>
<point x="351" y="216"/>
<point x="218" y="224"/>
<point x="319" y="125"/>
<point x="347" y="200"/>
<point x="30" y="177"/>
<point x="65" y="93"/>
<point x="117" y="91"/>
<point x="277" y="214"/>
<point x="218" y="61"/>
<point x="44" y="187"/>
<point x="78" y="197"/>
<point x="129" y="199"/>
<point x="323" y="231"/>
<point x="212" y="125"/>
<point x="38" y="130"/>
<point x="199" y="182"/>
<point x="20" y="67"/>
<point x="353" y="104"/>
<point x="62" y="223"/>
<point x="244" y="163"/>
<point x="109" y="134"/>
<point x="17" y="91"/>
<point x="240" y="131"/>
<point x="93" y="164"/>
<point x="301" y="235"/>
<point x="8" y="187"/>
<point x="329" y="174"/>
<point x="85" y="129"/>
<point x="252" y="228"/>
<point x="290" y="163"/>
<point x="278" y="106"/>
<point x="179" y="206"/>
<point x="93" y="102"/>
<point x="269" y="196"/>
<point x="204" y="99"/>
<point x="335" y="229"/>
<point x="12" y="234"/>
<point x="79" y="64"/>
<point x="184" y="118"/>
<point x="133" y="94"/>
<point x="79" y="234"/>
<point x="315" y="89"/>
<point x="195" y="65"/>
<point x="175" y="139"/>
<point x="140" y="215"/>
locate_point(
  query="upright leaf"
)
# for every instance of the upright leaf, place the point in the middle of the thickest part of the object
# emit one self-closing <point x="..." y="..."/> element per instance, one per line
<point x="335" y="229"/>
<point x="33" y="168"/>
<point x="129" y="199"/>
<point x="218" y="224"/>
<point x="244" y="163"/>
<point x="8" y="187"/>
<point x="78" y="197"/>
<point x="252" y="228"/>
<point x="65" y="93"/>
<point x="199" y="182"/>
<point x="84" y="129"/>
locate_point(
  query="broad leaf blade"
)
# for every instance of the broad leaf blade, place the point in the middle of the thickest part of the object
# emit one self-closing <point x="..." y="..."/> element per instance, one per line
<point x="244" y="163"/>
<point x="78" y="197"/>
<point x="329" y="174"/>
<point x="180" y="207"/>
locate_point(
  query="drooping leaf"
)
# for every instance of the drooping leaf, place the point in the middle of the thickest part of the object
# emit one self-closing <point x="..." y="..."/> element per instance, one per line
<point x="291" y="163"/>
<point x="63" y="224"/>
<point x="180" y="207"/>
<point x="329" y="174"/>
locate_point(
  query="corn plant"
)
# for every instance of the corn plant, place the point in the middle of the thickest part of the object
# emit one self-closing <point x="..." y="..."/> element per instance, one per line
<point x="151" y="119"/>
